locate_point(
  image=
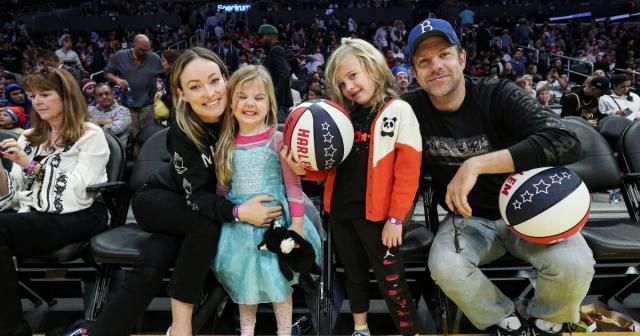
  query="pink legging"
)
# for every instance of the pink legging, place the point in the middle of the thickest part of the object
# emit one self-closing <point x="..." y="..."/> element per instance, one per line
<point x="283" y="311"/>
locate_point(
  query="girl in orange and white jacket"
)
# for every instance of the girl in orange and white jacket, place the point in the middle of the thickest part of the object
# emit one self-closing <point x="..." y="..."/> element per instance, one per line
<point x="370" y="194"/>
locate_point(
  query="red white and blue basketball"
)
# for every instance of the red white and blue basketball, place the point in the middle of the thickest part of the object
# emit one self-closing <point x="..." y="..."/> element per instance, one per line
<point x="319" y="133"/>
<point x="545" y="205"/>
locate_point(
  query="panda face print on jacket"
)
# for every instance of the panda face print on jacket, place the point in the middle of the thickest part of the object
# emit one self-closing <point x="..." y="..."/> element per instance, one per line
<point x="388" y="126"/>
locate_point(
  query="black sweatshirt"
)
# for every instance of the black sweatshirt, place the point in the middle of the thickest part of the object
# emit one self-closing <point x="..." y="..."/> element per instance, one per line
<point x="349" y="189"/>
<point x="495" y="115"/>
<point x="192" y="173"/>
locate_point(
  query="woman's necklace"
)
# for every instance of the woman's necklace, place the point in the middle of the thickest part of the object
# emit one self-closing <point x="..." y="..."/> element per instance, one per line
<point x="51" y="148"/>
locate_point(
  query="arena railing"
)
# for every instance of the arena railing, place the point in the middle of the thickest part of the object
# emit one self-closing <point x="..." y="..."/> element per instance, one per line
<point x="536" y="51"/>
<point x="568" y="61"/>
<point x="95" y="74"/>
<point x="635" y="78"/>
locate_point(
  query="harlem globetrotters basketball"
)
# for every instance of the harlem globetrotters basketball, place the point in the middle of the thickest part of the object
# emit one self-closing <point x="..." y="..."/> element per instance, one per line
<point x="319" y="134"/>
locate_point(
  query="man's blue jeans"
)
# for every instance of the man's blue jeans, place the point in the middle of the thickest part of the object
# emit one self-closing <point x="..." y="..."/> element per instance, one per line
<point x="565" y="270"/>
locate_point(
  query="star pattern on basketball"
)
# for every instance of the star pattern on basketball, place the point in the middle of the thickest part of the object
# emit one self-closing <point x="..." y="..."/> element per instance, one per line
<point x="329" y="151"/>
<point x="542" y="187"/>
<point x="556" y="179"/>
<point x="517" y="205"/>
<point x="325" y="126"/>
<point x="329" y="162"/>
<point x="328" y="137"/>
<point x="524" y="195"/>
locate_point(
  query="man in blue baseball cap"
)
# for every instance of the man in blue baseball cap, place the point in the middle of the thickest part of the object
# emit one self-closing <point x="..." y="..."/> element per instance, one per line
<point x="475" y="132"/>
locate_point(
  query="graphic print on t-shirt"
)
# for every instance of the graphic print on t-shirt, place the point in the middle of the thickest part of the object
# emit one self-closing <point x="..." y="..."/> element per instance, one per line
<point x="452" y="151"/>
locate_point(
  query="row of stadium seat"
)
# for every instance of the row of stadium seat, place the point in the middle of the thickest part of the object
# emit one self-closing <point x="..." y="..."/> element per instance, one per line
<point x="615" y="243"/>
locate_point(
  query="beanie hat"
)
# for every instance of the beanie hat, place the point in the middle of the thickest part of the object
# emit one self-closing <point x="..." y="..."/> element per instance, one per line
<point x="85" y="83"/>
<point x="399" y="69"/>
<point x="17" y="115"/>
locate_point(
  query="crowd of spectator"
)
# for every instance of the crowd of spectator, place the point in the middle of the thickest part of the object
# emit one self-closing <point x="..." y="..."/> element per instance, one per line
<point x="536" y="54"/>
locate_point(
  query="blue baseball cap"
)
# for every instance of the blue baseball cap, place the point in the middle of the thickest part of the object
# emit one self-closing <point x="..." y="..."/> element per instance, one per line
<point x="428" y="28"/>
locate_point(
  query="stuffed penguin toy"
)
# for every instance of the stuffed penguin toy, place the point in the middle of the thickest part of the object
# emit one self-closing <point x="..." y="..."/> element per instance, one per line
<point x="281" y="241"/>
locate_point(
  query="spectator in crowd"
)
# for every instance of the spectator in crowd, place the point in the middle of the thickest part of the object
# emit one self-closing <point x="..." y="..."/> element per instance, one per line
<point x="525" y="84"/>
<point x="601" y="64"/>
<point x="13" y="119"/>
<point x="278" y="66"/>
<point x="401" y="75"/>
<point x="17" y="96"/>
<point x="47" y="58"/>
<point x="583" y="102"/>
<point x="243" y="60"/>
<point x="314" y="60"/>
<point x="229" y="53"/>
<point x="3" y="99"/>
<point x="108" y="114"/>
<point x="380" y="39"/>
<point x="621" y="101"/>
<point x="599" y="73"/>
<point x="98" y="62"/>
<point x="8" y="79"/>
<point x="466" y="16"/>
<point x="136" y="71"/>
<point x="555" y="84"/>
<point x="295" y="95"/>
<point x="557" y="65"/>
<point x="43" y="200"/>
<point x="522" y="32"/>
<point x="543" y="96"/>
<point x="65" y="54"/>
<point x="505" y="41"/>
<point x="169" y="56"/>
<point x="10" y="56"/>
<point x="313" y="94"/>
<point x="518" y="63"/>
<point x="532" y="71"/>
<point x="508" y="72"/>
<point x="87" y="86"/>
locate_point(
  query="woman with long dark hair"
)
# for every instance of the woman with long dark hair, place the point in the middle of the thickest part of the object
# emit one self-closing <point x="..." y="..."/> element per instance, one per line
<point x="185" y="216"/>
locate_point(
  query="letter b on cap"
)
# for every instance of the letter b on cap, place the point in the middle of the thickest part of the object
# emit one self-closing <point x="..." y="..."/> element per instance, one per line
<point x="426" y="26"/>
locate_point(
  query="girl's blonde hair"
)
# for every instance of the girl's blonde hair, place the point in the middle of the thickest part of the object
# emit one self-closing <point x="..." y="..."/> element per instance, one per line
<point x="374" y="65"/>
<point x="186" y="118"/>
<point x="230" y="127"/>
<point x="74" y="107"/>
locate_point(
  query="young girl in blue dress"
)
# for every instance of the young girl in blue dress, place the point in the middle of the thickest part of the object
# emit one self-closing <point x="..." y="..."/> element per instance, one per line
<point x="247" y="164"/>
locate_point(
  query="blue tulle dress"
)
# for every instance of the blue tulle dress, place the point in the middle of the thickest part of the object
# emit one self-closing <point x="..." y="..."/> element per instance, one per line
<point x="249" y="275"/>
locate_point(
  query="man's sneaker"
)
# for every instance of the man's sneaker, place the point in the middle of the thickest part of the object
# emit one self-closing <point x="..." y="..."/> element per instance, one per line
<point x="302" y="325"/>
<point x="78" y="332"/>
<point x="535" y="331"/>
<point x="520" y="331"/>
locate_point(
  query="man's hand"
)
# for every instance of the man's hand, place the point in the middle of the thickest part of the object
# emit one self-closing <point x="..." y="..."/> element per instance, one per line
<point x="103" y="122"/>
<point x="391" y="235"/>
<point x="460" y="187"/>
<point x="122" y="83"/>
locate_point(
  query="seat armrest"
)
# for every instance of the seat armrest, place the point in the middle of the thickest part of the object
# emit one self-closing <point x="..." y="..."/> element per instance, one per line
<point x="631" y="177"/>
<point x="107" y="186"/>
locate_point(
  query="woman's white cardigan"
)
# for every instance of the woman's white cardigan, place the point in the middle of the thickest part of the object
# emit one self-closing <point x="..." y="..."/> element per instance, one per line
<point x="66" y="173"/>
